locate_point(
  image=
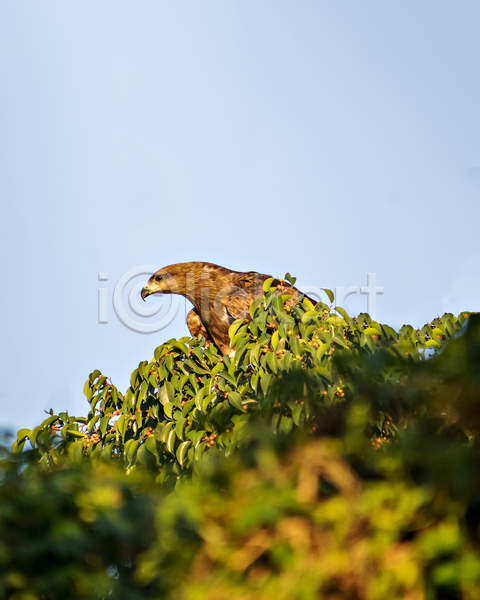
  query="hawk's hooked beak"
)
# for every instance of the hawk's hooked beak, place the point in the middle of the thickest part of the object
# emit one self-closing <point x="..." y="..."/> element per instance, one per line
<point x="146" y="291"/>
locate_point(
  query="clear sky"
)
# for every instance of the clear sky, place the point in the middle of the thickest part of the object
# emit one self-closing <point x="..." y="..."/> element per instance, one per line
<point x="329" y="139"/>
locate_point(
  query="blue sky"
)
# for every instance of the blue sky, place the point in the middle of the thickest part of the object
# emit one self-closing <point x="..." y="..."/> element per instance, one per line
<point x="328" y="139"/>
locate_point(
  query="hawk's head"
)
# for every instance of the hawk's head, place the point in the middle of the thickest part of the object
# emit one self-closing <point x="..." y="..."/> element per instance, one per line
<point x="183" y="279"/>
<point x="160" y="282"/>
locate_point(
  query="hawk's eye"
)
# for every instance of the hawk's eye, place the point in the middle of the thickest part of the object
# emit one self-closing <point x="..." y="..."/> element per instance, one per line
<point x="158" y="278"/>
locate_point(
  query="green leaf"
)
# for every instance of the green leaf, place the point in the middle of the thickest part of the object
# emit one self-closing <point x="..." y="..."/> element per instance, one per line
<point x="189" y="404"/>
<point x="198" y="352"/>
<point x="286" y="361"/>
<point x="160" y="351"/>
<point x="335" y="320"/>
<point x="310" y="315"/>
<point x="241" y="333"/>
<point x="234" y="327"/>
<point x="254" y="355"/>
<point x="193" y="380"/>
<point x="342" y="312"/>
<point x="34" y="434"/>
<point x="114" y="396"/>
<point x="199" y="397"/>
<point x="87" y="390"/>
<point x="131" y="450"/>
<point x="450" y="328"/>
<point x="152" y="380"/>
<point x="179" y="426"/>
<point x="198" y="437"/>
<point x="142" y="394"/>
<point x="272" y="361"/>
<point x="99" y="384"/>
<point x="75" y="451"/>
<point x="22" y="434"/>
<point x="50" y="421"/>
<point x="226" y="375"/>
<point x="168" y="409"/>
<point x="94" y="375"/>
<point x="121" y="425"/>
<point x="330" y="294"/>
<point x="135" y="379"/>
<point x="274" y="340"/>
<point x="265" y="382"/>
<point x="181" y="453"/>
<point x="199" y="450"/>
<point x="170" y="441"/>
<point x="321" y="350"/>
<point x="93" y="422"/>
<point x="108" y="450"/>
<point x="104" y="424"/>
<point x="286" y="424"/>
<point x="371" y="331"/>
<point x="207" y="401"/>
<point x="297" y="413"/>
<point x="235" y="400"/>
<point x="169" y="363"/>
<point x="294" y="345"/>
<point x="242" y="353"/>
<point x="143" y="370"/>
<point x="74" y="433"/>
<point x="217" y="368"/>
<point x="151" y="445"/>
<point x="253" y="307"/>
<point x="261" y="321"/>
<point x="389" y="333"/>
<point x="267" y="284"/>
<point x="166" y="393"/>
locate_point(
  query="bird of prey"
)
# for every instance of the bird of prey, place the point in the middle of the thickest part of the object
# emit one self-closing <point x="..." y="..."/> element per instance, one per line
<point x="219" y="296"/>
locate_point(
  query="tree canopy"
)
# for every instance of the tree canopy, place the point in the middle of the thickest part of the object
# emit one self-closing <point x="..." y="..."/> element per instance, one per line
<point x="330" y="457"/>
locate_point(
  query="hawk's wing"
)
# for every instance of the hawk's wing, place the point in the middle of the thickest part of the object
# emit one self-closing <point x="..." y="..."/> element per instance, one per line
<point x="196" y="327"/>
<point x="242" y="291"/>
<point x="235" y="305"/>
<point x="237" y="298"/>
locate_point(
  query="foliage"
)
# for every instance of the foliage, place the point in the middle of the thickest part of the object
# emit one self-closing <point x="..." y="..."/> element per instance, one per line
<point x="71" y="533"/>
<point x="328" y="457"/>
<point x="292" y="367"/>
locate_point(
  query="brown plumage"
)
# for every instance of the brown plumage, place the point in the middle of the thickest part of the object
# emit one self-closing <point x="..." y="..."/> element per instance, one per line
<point x="219" y="296"/>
